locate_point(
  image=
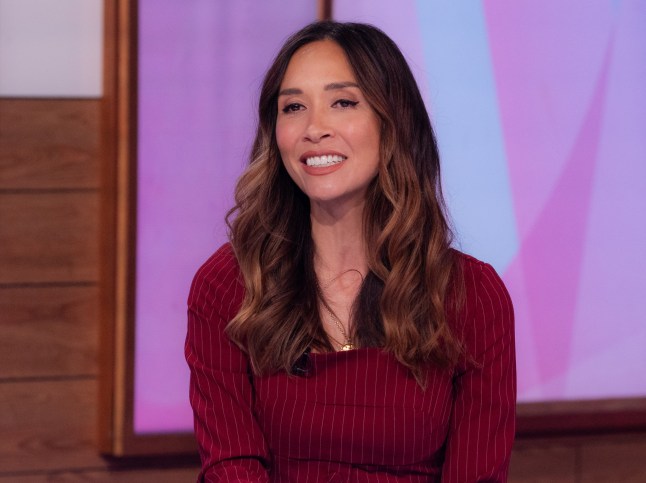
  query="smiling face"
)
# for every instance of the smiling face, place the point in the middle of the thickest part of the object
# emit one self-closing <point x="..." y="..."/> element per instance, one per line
<point x="326" y="131"/>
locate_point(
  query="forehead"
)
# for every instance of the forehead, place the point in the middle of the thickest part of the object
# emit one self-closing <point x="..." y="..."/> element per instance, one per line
<point x="322" y="60"/>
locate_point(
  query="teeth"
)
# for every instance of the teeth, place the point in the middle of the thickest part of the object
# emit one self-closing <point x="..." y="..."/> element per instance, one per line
<point x="326" y="160"/>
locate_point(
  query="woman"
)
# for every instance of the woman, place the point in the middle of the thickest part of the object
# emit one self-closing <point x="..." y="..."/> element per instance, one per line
<point x="338" y="337"/>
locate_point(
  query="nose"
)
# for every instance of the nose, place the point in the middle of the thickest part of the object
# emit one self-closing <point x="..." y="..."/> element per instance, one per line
<point x="318" y="127"/>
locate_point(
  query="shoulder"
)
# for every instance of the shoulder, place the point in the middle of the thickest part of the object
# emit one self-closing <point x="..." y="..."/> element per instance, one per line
<point x="222" y="265"/>
<point x="478" y="278"/>
<point x="485" y="303"/>
<point x="218" y="280"/>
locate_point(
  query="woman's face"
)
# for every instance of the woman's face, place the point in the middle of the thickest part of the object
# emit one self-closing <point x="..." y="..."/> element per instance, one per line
<point x="327" y="133"/>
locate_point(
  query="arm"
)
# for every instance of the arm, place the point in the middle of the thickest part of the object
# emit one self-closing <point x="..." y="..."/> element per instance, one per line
<point x="483" y="418"/>
<point x="231" y="445"/>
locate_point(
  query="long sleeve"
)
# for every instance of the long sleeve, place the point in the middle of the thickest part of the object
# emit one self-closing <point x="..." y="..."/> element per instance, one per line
<point x="231" y="444"/>
<point x="482" y="423"/>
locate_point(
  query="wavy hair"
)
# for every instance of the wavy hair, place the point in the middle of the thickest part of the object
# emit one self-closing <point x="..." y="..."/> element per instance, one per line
<point x="402" y="304"/>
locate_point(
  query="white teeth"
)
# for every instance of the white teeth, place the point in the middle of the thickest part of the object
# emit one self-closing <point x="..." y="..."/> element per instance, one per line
<point x="325" y="160"/>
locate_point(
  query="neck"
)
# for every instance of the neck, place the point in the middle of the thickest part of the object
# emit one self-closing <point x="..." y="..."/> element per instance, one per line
<point x="338" y="240"/>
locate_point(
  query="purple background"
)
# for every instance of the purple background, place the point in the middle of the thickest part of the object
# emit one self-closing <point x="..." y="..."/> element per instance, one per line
<point x="540" y="111"/>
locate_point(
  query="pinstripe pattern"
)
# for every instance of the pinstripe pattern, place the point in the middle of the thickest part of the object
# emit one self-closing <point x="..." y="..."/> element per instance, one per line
<point x="357" y="415"/>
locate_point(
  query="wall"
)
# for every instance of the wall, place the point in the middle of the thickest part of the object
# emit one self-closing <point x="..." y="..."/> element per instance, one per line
<point x="49" y="205"/>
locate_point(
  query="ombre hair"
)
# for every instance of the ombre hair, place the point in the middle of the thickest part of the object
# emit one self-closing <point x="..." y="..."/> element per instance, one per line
<point x="402" y="304"/>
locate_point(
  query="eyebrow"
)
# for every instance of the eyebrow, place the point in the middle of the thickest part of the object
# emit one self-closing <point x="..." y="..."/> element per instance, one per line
<point x="340" y="85"/>
<point x="328" y="87"/>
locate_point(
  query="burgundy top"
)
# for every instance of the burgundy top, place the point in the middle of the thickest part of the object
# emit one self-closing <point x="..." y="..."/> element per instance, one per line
<point x="357" y="415"/>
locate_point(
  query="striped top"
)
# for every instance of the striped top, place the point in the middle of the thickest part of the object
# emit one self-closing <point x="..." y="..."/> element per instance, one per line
<point x="357" y="415"/>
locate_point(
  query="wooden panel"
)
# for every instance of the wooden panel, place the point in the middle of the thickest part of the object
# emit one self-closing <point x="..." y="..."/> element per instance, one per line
<point x="48" y="425"/>
<point x="577" y="417"/>
<point x="49" y="144"/>
<point x="614" y="460"/>
<point x="48" y="237"/>
<point x="48" y="331"/>
<point x="171" y="475"/>
<point x="536" y="461"/>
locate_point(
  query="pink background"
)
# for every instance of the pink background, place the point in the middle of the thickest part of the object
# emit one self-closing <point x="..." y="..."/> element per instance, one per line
<point x="540" y="110"/>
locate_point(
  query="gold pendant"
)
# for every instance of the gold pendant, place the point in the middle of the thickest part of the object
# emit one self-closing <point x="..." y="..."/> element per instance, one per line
<point x="347" y="347"/>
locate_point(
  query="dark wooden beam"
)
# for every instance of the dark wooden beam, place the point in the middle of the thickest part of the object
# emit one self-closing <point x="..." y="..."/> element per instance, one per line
<point x="325" y="9"/>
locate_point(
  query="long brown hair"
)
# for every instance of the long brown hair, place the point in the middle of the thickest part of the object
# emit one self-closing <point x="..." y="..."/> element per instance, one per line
<point x="401" y="306"/>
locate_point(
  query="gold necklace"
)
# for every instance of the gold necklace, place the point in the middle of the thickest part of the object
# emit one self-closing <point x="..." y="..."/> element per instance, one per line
<point x="340" y="344"/>
<point x="348" y="342"/>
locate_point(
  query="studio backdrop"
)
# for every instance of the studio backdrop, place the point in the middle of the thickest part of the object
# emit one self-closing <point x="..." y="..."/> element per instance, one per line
<point x="539" y="110"/>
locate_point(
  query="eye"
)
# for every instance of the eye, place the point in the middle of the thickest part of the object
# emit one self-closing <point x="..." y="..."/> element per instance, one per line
<point x="293" y="107"/>
<point x="345" y="103"/>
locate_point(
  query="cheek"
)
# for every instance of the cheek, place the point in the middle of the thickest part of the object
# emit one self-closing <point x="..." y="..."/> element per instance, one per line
<point x="366" y="133"/>
<point x="284" y="139"/>
<point x="369" y="140"/>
